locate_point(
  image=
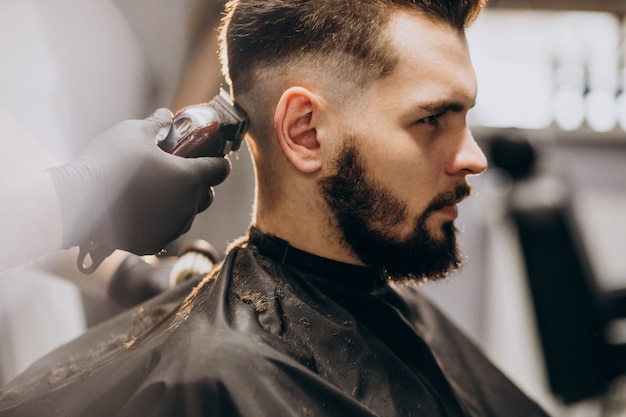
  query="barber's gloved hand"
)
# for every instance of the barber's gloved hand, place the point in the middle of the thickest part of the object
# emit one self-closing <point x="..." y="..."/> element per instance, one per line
<point x="124" y="192"/>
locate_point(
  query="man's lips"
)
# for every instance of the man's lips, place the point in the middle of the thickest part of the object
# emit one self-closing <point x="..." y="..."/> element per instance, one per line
<point x="447" y="203"/>
<point x="450" y="210"/>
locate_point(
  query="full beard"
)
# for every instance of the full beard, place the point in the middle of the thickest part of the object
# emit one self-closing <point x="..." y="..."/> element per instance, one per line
<point x="366" y="215"/>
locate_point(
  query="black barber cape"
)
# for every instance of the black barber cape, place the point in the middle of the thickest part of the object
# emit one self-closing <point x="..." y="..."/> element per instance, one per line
<point x="275" y="332"/>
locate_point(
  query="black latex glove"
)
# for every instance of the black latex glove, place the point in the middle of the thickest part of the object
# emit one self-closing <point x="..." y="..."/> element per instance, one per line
<point x="124" y="192"/>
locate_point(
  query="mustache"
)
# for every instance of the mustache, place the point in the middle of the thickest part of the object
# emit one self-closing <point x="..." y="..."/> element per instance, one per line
<point x="449" y="198"/>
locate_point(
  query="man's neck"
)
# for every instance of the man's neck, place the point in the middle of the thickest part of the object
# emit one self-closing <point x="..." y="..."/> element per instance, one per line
<point x="309" y="236"/>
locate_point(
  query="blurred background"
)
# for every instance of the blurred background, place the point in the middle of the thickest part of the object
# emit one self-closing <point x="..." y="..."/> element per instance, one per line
<point x="544" y="235"/>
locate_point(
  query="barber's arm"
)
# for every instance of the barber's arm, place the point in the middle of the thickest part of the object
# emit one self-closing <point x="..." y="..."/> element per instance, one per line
<point x="122" y="192"/>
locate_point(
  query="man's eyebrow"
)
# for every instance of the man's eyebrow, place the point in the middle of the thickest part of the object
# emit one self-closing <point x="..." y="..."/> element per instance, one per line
<point x="444" y="106"/>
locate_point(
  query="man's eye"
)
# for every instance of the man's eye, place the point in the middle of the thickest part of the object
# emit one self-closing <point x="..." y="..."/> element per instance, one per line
<point x="431" y="120"/>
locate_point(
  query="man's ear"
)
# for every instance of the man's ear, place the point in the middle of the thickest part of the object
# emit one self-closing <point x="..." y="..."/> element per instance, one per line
<point x="294" y="123"/>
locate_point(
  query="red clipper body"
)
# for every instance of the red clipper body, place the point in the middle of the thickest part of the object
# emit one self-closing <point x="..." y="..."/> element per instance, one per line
<point x="216" y="128"/>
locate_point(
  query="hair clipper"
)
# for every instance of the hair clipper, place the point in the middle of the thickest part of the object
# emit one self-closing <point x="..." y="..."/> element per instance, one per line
<point x="215" y="128"/>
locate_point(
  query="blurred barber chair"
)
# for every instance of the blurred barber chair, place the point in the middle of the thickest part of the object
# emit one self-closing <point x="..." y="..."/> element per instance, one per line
<point x="573" y="315"/>
<point x="140" y="278"/>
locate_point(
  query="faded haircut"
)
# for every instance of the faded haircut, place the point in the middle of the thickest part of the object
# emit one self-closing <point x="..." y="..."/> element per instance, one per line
<point x="345" y="37"/>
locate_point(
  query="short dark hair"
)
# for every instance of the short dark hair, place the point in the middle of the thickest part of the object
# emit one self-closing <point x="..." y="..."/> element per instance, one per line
<point x="266" y="33"/>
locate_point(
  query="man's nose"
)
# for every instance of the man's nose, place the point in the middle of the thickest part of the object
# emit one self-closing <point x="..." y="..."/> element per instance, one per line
<point x="468" y="159"/>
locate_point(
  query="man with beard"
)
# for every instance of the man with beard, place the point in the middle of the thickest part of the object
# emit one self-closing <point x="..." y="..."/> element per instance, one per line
<point x="362" y="152"/>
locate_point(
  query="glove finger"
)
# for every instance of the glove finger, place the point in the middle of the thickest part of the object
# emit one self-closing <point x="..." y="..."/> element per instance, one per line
<point x="161" y="122"/>
<point x="203" y="204"/>
<point x="187" y="226"/>
<point x="213" y="171"/>
<point x="209" y="196"/>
